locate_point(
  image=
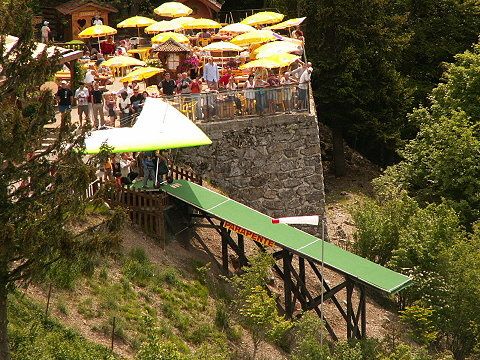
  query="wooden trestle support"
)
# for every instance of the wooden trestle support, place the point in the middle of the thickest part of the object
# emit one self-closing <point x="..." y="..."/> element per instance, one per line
<point x="293" y="275"/>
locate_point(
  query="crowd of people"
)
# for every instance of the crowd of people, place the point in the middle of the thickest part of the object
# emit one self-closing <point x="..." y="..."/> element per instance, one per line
<point x="263" y="92"/>
<point x="127" y="168"/>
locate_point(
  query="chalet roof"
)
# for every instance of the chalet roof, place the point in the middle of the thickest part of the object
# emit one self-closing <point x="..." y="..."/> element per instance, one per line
<point x="75" y="5"/>
<point x="65" y="55"/>
<point x="171" y="46"/>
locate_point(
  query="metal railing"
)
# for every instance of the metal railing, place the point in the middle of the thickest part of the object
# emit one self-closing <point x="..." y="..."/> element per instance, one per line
<point x="227" y="104"/>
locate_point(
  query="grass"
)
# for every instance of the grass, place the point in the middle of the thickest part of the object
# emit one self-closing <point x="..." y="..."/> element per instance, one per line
<point x="33" y="337"/>
<point x="152" y="305"/>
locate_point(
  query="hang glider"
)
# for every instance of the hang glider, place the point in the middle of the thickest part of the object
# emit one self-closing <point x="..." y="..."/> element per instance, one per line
<point x="159" y="126"/>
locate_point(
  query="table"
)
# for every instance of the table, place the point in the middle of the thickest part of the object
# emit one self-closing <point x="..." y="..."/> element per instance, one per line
<point x="144" y="53"/>
<point x="62" y="75"/>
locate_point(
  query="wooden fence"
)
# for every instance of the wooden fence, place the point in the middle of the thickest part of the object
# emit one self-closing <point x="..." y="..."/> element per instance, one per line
<point x="180" y="173"/>
<point x="145" y="209"/>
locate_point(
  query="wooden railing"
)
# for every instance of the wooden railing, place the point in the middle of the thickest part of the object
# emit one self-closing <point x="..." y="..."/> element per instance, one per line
<point x="145" y="209"/>
<point x="182" y="174"/>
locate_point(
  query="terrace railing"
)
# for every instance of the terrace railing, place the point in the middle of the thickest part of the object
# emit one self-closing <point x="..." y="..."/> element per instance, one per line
<point x="225" y="105"/>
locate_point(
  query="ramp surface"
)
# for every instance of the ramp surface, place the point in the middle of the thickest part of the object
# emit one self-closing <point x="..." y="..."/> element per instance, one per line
<point x="288" y="237"/>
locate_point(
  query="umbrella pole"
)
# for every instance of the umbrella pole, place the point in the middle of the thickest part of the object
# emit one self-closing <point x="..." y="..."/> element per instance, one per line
<point x="99" y="47"/>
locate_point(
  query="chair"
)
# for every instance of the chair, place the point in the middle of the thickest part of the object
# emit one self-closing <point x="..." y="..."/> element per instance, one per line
<point x="203" y="42"/>
<point x="188" y="109"/>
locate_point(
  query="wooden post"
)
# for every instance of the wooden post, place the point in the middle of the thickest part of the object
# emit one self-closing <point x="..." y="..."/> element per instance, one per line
<point x="48" y="299"/>
<point x="349" y="309"/>
<point x="113" y="333"/>
<point x="363" y="309"/>
<point x="224" y="251"/>
<point x="287" y="280"/>
<point x="301" y="273"/>
<point x="241" y="249"/>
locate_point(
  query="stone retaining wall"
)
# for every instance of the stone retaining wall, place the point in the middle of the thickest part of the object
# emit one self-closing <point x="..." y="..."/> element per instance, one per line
<point x="272" y="164"/>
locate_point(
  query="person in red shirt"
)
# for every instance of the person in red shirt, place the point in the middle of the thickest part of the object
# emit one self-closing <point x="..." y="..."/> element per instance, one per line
<point x="225" y="78"/>
<point x="196" y="89"/>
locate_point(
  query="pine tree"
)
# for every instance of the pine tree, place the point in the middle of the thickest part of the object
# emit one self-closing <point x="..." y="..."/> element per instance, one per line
<point x="40" y="190"/>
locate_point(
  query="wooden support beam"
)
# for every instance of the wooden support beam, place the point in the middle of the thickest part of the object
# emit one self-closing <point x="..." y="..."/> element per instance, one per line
<point x="207" y="250"/>
<point x="349" y="309"/>
<point x="363" y="318"/>
<point x="241" y="251"/>
<point x="224" y="251"/>
<point x="301" y="273"/>
<point x="327" y="288"/>
<point x="287" y="283"/>
<point x="326" y="295"/>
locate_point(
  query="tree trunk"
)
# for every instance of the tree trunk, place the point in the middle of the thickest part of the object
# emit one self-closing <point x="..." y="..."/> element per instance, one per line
<point x="4" y="353"/>
<point x="338" y="151"/>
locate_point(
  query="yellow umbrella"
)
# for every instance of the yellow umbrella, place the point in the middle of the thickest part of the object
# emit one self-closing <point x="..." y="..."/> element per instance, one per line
<point x="142" y="74"/>
<point x="253" y="37"/>
<point x="271" y="62"/>
<point x="260" y="63"/>
<point x="262" y="18"/>
<point x="162" y="26"/>
<point x="276" y="47"/>
<point x="287" y="24"/>
<point x="162" y="37"/>
<point x="237" y="28"/>
<point x="202" y="24"/>
<point x="222" y="46"/>
<point x="136" y="22"/>
<point x="182" y="20"/>
<point x="121" y="61"/>
<point x="97" y="31"/>
<point x="173" y="9"/>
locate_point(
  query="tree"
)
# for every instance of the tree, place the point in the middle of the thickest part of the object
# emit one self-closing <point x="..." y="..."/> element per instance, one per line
<point x="256" y="308"/>
<point x="40" y="188"/>
<point x="358" y="91"/>
<point x="442" y="163"/>
<point x="439" y="29"/>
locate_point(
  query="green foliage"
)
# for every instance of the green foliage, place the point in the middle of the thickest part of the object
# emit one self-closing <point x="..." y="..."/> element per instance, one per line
<point x="307" y="339"/>
<point x="420" y="321"/>
<point x="34" y="338"/>
<point x="256" y="308"/>
<point x="443" y="162"/>
<point x="442" y="259"/>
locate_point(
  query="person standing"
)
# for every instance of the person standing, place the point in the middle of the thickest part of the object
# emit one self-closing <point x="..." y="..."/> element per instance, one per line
<point x="82" y="95"/>
<point x="45" y="31"/>
<point x="96" y="20"/>
<point x="303" y="84"/>
<point x="149" y="167"/>
<point x="97" y="106"/>
<point x="168" y="85"/>
<point x="211" y="74"/>
<point x="64" y="98"/>
<point x="125" y="107"/>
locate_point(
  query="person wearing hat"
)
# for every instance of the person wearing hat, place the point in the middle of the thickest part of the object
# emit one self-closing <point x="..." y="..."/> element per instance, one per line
<point x="64" y="97"/>
<point x="82" y="94"/>
<point x="303" y="84"/>
<point x="45" y="31"/>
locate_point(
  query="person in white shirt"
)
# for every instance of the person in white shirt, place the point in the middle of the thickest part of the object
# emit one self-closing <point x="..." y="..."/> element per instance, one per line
<point x="96" y="20"/>
<point x="126" y="89"/>
<point x="287" y="83"/>
<point x="45" y="30"/>
<point x="211" y="74"/>
<point x="90" y="75"/>
<point x="125" y="107"/>
<point x="303" y="88"/>
<point x="82" y="95"/>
